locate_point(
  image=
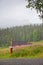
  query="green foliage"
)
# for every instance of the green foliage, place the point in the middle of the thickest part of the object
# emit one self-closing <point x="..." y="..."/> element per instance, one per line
<point x="22" y="33"/>
<point x="36" y="35"/>
<point x="37" y="4"/>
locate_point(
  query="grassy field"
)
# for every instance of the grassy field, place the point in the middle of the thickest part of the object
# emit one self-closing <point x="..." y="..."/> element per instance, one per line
<point x="34" y="51"/>
<point x="37" y="43"/>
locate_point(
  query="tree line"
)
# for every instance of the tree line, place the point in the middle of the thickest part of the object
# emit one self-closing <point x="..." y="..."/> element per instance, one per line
<point x="21" y="33"/>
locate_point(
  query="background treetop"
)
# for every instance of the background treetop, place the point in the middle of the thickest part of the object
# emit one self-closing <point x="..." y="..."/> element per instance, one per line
<point x="37" y="4"/>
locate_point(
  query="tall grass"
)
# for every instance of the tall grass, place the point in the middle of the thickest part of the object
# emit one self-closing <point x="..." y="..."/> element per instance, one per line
<point x="25" y="52"/>
<point x="28" y="52"/>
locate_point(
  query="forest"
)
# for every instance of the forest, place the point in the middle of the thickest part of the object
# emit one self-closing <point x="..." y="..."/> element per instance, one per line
<point x="30" y="33"/>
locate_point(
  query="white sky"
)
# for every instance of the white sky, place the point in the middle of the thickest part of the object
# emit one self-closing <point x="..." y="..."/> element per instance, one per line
<point x="15" y="13"/>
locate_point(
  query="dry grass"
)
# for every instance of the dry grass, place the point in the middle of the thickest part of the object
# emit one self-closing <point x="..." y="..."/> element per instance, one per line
<point x="4" y="50"/>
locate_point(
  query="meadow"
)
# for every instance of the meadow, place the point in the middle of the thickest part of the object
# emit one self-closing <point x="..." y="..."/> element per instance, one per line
<point x="34" y="51"/>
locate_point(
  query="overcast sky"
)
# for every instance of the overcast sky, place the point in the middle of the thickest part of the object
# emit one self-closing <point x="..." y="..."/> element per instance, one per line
<point x="15" y="13"/>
